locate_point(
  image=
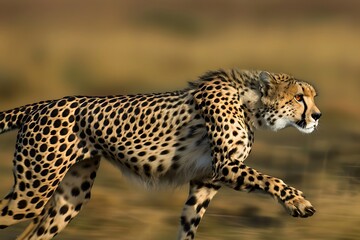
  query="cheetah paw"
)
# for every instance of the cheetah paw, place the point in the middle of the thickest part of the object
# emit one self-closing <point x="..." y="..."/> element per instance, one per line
<point x="299" y="207"/>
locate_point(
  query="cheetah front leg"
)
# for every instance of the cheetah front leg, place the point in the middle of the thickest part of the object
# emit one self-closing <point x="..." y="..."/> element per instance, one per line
<point x="242" y="177"/>
<point x="200" y="195"/>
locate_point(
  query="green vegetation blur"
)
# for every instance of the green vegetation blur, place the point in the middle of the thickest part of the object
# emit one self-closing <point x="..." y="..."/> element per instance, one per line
<point x="50" y="49"/>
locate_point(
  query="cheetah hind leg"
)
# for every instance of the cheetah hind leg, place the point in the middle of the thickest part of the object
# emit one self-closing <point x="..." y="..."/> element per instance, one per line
<point x="71" y="195"/>
<point x="4" y="210"/>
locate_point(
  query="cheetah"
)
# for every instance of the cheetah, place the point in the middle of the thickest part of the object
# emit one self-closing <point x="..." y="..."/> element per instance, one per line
<point x="200" y="135"/>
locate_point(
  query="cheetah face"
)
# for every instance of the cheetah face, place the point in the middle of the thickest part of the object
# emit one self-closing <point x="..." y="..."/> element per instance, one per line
<point x="288" y="102"/>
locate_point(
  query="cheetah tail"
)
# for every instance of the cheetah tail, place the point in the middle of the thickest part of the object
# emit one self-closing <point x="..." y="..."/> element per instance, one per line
<point x="13" y="119"/>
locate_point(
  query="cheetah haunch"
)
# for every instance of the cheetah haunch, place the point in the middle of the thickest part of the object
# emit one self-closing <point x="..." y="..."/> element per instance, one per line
<point x="200" y="135"/>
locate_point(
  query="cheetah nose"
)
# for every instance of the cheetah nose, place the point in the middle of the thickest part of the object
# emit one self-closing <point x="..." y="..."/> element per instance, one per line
<point x="316" y="116"/>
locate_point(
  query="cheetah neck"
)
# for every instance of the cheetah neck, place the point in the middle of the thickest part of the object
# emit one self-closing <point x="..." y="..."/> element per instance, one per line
<point x="250" y="96"/>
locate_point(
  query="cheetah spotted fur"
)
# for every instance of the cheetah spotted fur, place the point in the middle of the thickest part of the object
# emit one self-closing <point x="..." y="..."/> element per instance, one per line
<point x="200" y="135"/>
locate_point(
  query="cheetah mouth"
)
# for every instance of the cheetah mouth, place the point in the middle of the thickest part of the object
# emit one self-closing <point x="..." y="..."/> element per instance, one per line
<point x="302" y="126"/>
<point x="301" y="123"/>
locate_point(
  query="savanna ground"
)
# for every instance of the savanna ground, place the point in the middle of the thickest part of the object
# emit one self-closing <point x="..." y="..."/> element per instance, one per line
<point x="49" y="49"/>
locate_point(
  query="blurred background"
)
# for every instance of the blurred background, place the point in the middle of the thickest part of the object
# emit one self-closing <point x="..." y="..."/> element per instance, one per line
<point x="49" y="49"/>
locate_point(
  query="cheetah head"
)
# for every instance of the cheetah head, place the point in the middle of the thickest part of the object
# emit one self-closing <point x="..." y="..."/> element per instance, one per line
<point x="287" y="102"/>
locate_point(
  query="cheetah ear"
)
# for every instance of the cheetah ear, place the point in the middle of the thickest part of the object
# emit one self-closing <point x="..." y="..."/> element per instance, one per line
<point x="266" y="80"/>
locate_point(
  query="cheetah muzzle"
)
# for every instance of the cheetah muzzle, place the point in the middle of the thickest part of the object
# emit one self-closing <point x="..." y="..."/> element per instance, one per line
<point x="200" y="135"/>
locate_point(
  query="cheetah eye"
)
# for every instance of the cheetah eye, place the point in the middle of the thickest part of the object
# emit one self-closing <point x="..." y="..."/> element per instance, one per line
<point x="299" y="97"/>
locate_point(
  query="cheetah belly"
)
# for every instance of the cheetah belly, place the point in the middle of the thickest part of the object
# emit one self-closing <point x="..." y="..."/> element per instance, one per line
<point x="172" y="165"/>
<point x="195" y="164"/>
